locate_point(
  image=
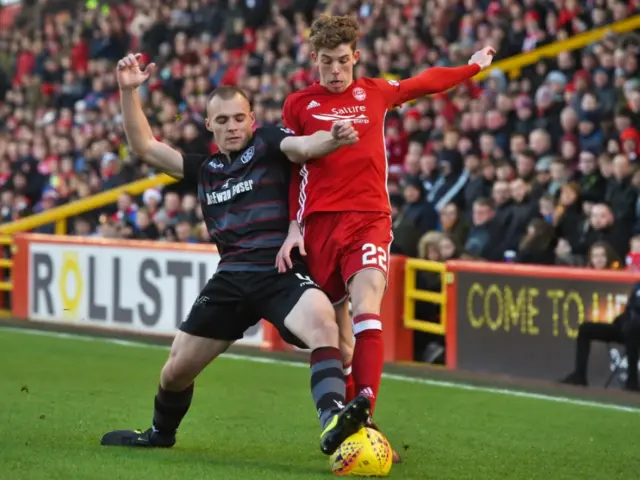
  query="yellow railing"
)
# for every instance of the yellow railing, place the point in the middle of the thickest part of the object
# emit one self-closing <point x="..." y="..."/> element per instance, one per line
<point x="413" y="294"/>
<point x="6" y="264"/>
<point x="59" y="215"/>
<point x="513" y="65"/>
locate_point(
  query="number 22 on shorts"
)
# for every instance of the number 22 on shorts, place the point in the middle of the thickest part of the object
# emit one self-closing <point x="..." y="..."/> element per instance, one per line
<point x="373" y="255"/>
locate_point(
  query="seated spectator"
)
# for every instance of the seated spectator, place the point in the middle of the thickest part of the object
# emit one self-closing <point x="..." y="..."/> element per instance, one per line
<point x="450" y="184"/>
<point x="546" y="207"/>
<point x="568" y="217"/>
<point x="559" y="174"/>
<point x="525" y="208"/>
<point x="416" y="211"/>
<point x="145" y="227"/>
<point x="481" y="240"/>
<point x="621" y="196"/>
<point x="454" y="224"/>
<point x="185" y="232"/>
<point x="501" y="196"/>
<point x="448" y="249"/>
<point x="539" y="243"/>
<point x="633" y="257"/>
<point x="601" y="227"/>
<point x="603" y="257"/>
<point x="592" y="184"/>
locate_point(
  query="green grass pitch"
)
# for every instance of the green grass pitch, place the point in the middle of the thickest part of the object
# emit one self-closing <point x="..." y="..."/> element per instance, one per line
<point x="253" y="421"/>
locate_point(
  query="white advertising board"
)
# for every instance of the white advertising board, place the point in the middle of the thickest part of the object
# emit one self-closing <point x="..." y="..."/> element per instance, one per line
<point x="119" y="288"/>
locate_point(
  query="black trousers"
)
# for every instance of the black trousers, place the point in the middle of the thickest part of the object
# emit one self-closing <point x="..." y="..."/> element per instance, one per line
<point x="623" y="330"/>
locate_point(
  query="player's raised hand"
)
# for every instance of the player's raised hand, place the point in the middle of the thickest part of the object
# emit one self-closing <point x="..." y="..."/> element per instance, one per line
<point x="130" y="74"/>
<point x="294" y="240"/>
<point x="483" y="58"/>
<point x="344" y="133"/>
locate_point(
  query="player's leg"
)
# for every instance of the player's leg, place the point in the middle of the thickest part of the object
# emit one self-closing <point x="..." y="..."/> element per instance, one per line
<point x="210" y="328"/>
<point x="322" y="242"/>
<point x="364" y="265"/>
<point x="347" y="343"/>
<point x="367" y="289"/>
<point x="304" y="316"/>
<point x="189" y="356"/>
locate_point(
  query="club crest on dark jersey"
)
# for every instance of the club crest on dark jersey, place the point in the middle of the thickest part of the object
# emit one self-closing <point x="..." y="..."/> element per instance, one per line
<point x="248" y="155"/>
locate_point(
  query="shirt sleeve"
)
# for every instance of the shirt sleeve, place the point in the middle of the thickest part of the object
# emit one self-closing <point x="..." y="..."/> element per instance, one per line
<point x="191" y="164"/>
<point x="289" y="116"/>
<point x="273" y="136"/>
<point x="432" y="80"/>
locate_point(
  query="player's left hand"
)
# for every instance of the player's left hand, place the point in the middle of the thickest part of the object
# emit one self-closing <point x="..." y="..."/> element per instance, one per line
<point x="483" y="58"/>
<point x="344" y="133"/>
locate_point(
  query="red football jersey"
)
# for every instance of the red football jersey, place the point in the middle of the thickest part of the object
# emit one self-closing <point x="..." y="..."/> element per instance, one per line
<point x="354" y="178"/>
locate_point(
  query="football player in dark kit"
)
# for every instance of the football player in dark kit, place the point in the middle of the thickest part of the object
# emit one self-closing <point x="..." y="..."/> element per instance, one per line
<point x="243" y="191"/>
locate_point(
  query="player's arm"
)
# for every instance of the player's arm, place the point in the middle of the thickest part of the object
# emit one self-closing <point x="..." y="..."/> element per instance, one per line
<point x="435" y="79"/>
<point x="140" y="137"/>
<point x="304" y="148"/>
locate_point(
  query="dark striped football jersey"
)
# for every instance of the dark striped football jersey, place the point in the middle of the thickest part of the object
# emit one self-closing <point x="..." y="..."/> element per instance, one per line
<point x="244" y="200"/>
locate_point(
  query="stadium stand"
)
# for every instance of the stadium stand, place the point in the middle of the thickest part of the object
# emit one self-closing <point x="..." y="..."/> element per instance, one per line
<point x="543" y="161"/>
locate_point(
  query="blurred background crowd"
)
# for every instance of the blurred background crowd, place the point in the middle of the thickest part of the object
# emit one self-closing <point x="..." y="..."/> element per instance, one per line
<point x="538" y="169"/>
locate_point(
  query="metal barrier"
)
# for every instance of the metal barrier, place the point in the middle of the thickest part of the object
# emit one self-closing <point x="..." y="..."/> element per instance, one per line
<point x="6" y="267"/>
<point x="412" y="294"/>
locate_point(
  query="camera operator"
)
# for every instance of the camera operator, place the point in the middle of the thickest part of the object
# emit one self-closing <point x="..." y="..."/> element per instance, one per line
<point x="624" y="329"/>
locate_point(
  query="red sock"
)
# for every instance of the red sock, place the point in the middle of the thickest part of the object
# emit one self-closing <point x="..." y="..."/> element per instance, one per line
<point x="348" y="380"/>
<point x="368" y="355"/>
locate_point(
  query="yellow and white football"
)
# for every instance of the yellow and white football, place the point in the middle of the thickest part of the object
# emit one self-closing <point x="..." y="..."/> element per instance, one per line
<point x="366" y="453"/>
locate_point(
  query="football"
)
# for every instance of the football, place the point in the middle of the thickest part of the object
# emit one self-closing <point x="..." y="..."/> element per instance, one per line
<point x="366" y="453"/>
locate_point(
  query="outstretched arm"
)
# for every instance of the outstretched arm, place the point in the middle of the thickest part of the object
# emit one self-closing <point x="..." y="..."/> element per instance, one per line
<point x="304" y="148"/>
<point x="436" y="79"/>
<point x="136" y="126"/>
<point x="140" y="137"/>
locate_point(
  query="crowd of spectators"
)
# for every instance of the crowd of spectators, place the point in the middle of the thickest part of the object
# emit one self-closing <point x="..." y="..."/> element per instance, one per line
<point x="538" y="168"/>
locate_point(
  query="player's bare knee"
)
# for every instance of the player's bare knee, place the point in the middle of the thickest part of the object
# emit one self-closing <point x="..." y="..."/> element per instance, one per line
<point x="323" y="329"/>
<point x="313" y="321"/>
<point x="366" y="290"/>
<point x="323" y="333"/>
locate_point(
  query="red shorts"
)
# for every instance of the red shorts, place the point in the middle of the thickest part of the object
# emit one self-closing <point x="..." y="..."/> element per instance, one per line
<point x="340" y="244"/>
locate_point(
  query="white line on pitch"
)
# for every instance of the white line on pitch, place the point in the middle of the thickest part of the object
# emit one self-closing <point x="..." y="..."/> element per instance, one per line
<point x="389" y="376"/>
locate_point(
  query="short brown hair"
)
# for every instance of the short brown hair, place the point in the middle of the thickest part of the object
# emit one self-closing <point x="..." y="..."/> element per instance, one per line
<point x="330" y="32"/>
<point x="227" y="92"/>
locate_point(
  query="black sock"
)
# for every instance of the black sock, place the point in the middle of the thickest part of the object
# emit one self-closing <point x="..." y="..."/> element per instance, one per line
<point x="327" y="382"/>
<point x="170" y="409"/>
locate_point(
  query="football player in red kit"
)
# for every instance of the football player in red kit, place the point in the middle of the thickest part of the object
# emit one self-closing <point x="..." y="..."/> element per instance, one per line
<point x="340" y="212"/>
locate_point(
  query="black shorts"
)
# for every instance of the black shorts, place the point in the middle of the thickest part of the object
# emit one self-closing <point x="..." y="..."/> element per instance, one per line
<point x="232" y="302"/>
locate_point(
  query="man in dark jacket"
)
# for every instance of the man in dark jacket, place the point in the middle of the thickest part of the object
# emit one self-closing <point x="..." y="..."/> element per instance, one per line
<point x="481" y="240"/>
<point x="523" y="211"/>
<point x="592" y="184"/>
<point x="624" y="329"/>
<point x="416" y="211"/>
<point x="450" y="184"/>
<point x="621" y="195"/>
